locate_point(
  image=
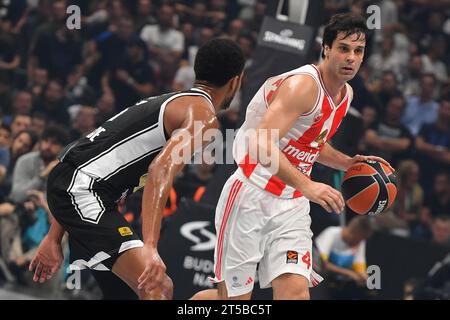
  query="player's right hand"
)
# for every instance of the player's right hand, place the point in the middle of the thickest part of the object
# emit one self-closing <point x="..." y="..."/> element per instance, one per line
<point x="155" y="270"/>
<point x="47" y="260"/>
<point x="324" y="195"/>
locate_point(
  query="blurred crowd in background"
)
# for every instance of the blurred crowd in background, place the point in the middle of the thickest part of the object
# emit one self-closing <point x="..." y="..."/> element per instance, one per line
<point x="58" y="84"/>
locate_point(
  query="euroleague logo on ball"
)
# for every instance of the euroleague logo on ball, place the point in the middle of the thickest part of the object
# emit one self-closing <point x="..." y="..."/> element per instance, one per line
<point x="381" y="205"/>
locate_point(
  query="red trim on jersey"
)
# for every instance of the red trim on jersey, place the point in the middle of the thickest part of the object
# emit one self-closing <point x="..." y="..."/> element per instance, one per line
<point x="248" y="166"/>
<point x="297" y="194"/>
<point x="311" y="134"/>
<point x="325" y="89"/>
<point x="230" y="202"/>
<point x="321" y="80"/>
<point x="338" y="116"/>
<point x="275" y="185"/>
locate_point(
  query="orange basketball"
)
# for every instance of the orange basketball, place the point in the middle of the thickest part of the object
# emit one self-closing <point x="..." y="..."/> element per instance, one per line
<point x="369" y="187"/>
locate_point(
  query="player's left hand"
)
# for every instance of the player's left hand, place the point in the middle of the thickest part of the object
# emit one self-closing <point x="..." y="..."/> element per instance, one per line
<point x="155" y="270"/>
<point x="47" y="260"/>
<point x="359" y="158"/>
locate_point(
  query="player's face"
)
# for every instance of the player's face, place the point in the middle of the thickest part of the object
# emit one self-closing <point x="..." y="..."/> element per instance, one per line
<point x="346" y="55"/>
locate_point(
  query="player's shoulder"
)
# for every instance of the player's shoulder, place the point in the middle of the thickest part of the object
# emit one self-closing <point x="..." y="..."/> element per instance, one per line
<point x="302" y="87"/>
<point x="191" y="107"/>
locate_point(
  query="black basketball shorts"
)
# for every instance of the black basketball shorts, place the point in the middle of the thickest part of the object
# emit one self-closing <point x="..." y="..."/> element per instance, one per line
<point x="98" y="233"/>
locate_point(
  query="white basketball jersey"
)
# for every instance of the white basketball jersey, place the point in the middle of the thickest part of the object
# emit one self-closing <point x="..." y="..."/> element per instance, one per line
<point x="302" y="143"/>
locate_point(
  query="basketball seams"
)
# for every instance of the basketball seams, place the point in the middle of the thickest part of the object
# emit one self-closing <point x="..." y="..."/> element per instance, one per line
<point x="379" y="191"/>
<point x="382" y="192"/>
<point x="364" y="190"/>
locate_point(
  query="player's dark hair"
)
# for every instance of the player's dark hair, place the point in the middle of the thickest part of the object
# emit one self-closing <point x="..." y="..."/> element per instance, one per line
<point x="56" y="133"/>
<point x="218" y="61"/>
<point x="349" y="23"/>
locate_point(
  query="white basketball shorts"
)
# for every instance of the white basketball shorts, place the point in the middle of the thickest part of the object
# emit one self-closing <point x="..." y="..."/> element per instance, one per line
<point x="255" y="227"/>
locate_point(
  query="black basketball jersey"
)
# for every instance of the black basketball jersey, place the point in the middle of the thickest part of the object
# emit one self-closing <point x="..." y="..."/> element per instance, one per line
<point x="118" y="153"/>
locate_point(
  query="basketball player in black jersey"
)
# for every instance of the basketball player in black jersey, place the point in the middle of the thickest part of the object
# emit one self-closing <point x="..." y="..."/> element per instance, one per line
<point x="131" y="150"/>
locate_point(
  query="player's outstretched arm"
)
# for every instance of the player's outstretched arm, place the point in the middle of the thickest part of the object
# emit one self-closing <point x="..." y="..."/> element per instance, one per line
<point x="296" y="96"/>
<point x="335" y="159"/>
<point x="161" y="173"/>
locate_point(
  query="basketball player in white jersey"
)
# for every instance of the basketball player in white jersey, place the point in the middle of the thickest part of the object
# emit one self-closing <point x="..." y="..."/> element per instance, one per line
<point x="263" y="216"/>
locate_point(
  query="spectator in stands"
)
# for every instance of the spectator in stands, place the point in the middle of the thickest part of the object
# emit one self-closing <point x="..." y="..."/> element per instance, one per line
<point x="22" y="143"/>
<point x="248" y="44"/>
<point x="166" y="45"/>
<point x="105" y="108"/>
<point x="343" y="251"/>
<point x="5" y="139"/>
<point x="409" y="202"/>
<point x="409" y="287"/>
<point x="433" y="60"/>
<point x="433" y="145"/>
<point x="187" y="28"/>
<point x="441" y="230"/>
<point x="108" y="48"/>
<point x="217" y="15"/>
<point x="369" y="116"/>
<point x="9" y="52"/>
<point x="45" y="34"/>
<point x="19" y="123"/>
<point x="77" y="89"/>
<point x="38" y="81"/>
<point x="132" y="79"/>
<point x="388" y="88"/>
<point x="438" y="202"/>
<point x="5" y="93"/>
<point x="389" y="138"/>
<point x="22" y="105"/>
<point x="411" y="81"/>
<point x="162" y="38"/>
<point x="83" y="124"/>
<point x="144" y="14"/>
<point x="52" y="103"/>
<point x="58" y="52"/>
<point x="385" y="60"/>
<point x="38" y="123"/>
<point x="195" y="14"/>
<point x="235" y="28"/>
<point x="193" y="182"/>
<point x="253" y="17"/>
<point x="421" y="109"/>
<point x="184" y="77"/>
<point x="31" y="170"/>
<point x="23" y="102"/>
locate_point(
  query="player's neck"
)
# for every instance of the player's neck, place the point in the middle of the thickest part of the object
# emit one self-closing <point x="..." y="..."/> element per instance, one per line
<point x="216" y="95"/>
<point x="332" y="84"/>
